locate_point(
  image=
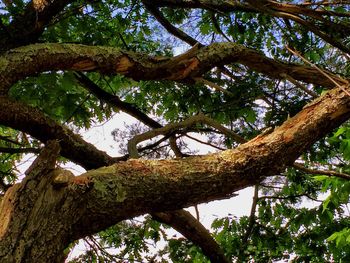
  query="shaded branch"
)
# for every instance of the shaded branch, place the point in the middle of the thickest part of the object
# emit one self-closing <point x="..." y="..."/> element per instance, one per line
<point x="128" y="108"/>
<point x="115" y="101"/>
<point x="191" y="227"/>
<point x="19" y="150"/>
<point x="168" y="26"/>
<point x="308" y="25"/>
<point x="27" y="26"/>
<point x="272" y="8"/>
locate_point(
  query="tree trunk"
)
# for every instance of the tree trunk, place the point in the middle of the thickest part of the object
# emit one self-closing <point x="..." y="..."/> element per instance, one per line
<point x="34" y="215"/>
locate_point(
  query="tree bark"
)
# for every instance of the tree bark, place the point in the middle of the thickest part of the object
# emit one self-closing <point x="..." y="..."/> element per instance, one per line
<point x="138" y="66"/>
<point x="72" y="207"/>
<point x="33" y="215"/>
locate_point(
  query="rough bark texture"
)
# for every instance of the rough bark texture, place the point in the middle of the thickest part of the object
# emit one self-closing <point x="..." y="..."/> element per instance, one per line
<point x="33" y="215"/>
<point x="50" y="208"/>
<point x="103" y="197"/>
<point x="16" y="115"/>
<point x="108" y="60"/>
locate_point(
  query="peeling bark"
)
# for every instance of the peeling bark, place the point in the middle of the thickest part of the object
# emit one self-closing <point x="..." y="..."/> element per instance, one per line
<point x="108" y="60"/>
<point x="50" y="208"/>
<point x="103" y="197"/>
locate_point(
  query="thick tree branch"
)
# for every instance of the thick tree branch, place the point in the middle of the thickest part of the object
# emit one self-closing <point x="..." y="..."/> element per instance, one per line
<point x="28" y="201"/>
<point x="27" y="26"/>
<point x="77" y="150"/>
<point x="137" y="186"/>
<point x="44" y="57"/>
<point x="32" y="121"/>
<point x="110" y="194"/>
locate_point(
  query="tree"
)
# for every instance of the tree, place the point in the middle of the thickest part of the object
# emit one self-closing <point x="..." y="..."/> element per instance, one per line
<point x="266" y="81"/>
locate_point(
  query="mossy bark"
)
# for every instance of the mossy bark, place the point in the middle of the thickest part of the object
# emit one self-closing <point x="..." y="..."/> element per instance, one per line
<point x="47" y="211"/>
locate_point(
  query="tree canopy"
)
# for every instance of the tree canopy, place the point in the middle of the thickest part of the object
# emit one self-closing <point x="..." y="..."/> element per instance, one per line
<point x="267" y="84"/>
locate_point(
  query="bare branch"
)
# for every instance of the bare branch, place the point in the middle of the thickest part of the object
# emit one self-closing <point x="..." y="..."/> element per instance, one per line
<point x="175" y="127"/>
<point x="168" y="26"/>
<point x="321" y="172"/>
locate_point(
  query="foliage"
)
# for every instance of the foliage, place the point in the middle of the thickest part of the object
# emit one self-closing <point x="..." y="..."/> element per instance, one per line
<point x="298" y="215"/>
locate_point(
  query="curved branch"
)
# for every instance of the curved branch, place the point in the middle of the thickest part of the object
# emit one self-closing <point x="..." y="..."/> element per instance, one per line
<point x="123" y="106"/>
<point x="272" y="8"/>
<point x="32" y="121"/>
<point x="168" y="26"/>
<point x="175" y="127"/>
<point x="81" y="152"/>
<point x="137" y="186"/>
<point x="108" y="195"/>
<point x="108" y="60"/>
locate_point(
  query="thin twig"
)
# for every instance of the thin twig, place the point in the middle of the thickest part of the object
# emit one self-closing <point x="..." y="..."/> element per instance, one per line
<point x="322" y="172"/>
<point x="206" y="143"/>
<point x="300" y="86"/>
<point x="342" y="87"/>
<point x="213" y="85"/>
